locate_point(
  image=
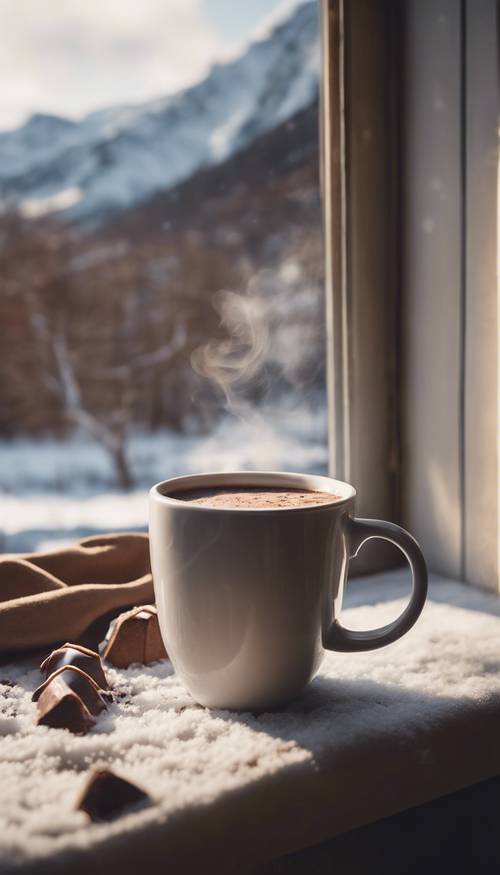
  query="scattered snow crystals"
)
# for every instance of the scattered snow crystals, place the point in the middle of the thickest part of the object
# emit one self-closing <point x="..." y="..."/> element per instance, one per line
<point x="185" y="756"/>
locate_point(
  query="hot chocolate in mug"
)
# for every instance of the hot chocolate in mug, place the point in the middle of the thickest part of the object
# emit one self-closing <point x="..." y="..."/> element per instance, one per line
<point x="249" y="597"/>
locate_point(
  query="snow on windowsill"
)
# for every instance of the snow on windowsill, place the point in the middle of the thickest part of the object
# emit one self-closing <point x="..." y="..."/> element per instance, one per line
<point x="373" y="734"/>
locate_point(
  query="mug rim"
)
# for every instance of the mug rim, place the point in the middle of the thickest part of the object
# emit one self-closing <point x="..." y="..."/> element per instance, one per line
<point x="214" y="479"/>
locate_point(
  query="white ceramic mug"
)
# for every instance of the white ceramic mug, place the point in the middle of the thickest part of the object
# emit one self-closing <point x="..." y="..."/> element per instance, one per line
<point x="249" y="599"/>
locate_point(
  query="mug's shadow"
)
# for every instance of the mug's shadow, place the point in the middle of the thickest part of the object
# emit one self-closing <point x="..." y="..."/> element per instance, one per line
<point x="333" y="714"/>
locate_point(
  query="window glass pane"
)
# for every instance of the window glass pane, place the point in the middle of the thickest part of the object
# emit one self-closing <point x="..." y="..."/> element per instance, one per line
<point x="161" y="292"/>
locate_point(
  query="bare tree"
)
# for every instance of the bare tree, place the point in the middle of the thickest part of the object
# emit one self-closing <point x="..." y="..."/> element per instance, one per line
<point x="111" y="431"/>
<point x="70" y="356"/>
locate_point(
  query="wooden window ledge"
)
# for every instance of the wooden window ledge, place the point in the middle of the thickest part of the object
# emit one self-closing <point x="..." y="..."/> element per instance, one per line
<point x="373" y="735"/>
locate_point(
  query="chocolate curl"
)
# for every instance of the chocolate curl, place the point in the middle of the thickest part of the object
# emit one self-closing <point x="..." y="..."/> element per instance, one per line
<point x="105" y="796"/>
<point x="135" y="637"/>
<point x="70" y="699"/>
<point x="74" y="654"/>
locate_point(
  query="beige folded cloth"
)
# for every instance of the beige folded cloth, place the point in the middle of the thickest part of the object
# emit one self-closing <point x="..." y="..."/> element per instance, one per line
<point x="46" y="598"/>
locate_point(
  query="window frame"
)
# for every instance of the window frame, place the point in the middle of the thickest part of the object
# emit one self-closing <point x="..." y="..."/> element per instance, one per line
<point x="359" y="137"/>
<point x="410" y="108"/>
<point x="450" y="398"/>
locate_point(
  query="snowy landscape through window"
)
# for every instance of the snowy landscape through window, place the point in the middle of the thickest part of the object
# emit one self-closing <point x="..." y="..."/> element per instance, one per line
<point x="161" y="255"/>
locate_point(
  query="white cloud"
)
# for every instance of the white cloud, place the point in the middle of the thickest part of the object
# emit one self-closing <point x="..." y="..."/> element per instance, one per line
<point x="72" y="56"/>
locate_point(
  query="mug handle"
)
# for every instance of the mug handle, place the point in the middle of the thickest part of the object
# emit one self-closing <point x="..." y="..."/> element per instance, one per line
<point x="359" y="531"/>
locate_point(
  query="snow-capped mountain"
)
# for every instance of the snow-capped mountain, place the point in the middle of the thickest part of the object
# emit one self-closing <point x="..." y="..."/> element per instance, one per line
<point x="115" y="158"/>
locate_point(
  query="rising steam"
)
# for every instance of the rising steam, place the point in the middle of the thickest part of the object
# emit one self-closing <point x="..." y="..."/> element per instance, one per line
<point x="236" y="360"/>
<point x="273" y="344"/>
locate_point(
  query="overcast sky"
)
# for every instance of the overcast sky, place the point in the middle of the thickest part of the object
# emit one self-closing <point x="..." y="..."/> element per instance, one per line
<point x="72" y="56"/>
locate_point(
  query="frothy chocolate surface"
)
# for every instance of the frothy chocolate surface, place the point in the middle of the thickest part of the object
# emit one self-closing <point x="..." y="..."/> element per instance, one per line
<point x="254" y="497"/>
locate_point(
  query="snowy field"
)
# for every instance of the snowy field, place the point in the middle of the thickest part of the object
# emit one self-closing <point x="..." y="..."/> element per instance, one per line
<point x="54" y="492"/>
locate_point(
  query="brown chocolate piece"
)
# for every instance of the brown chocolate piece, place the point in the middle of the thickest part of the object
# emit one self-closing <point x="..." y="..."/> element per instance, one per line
<point x="106" y="796"/>
<point x="65" y="711"/>
<point x="135" y="637"/>
<point x="74" y="654"/>
<point x="70" y="699"/>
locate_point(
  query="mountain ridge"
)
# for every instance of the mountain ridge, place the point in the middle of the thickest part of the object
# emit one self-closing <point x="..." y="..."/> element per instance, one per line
<point x="113" y="159"/>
